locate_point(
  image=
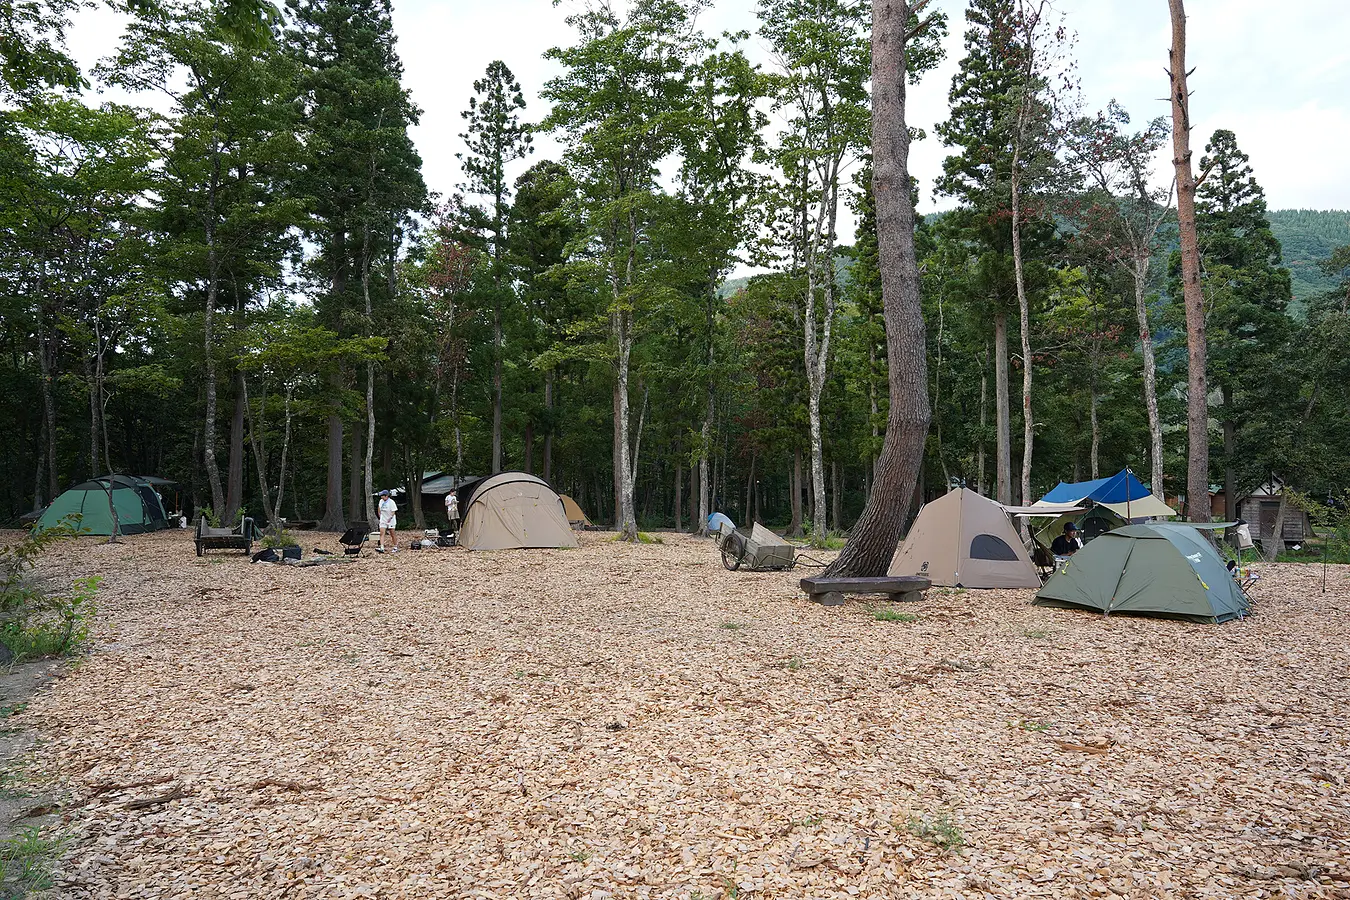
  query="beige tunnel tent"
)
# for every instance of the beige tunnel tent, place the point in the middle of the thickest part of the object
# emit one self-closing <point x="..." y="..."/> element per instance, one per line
<point x="575" y="517"/>
<point x="514" y="511"/>
<point x="965" y="540"/>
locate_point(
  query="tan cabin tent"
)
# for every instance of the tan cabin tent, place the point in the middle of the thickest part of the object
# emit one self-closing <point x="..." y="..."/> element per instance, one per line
<point x="575" y="517"/>
<point x="965" y="540"/>
<point x="513" y="511"/>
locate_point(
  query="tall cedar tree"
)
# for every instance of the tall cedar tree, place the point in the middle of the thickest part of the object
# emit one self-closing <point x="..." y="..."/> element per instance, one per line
<point x="984" y="127"/>
<point x="1247" y="292"/>
<point x="360" y="175"/>
<point x="495" y="138"/>
<point x="875" y="536"/>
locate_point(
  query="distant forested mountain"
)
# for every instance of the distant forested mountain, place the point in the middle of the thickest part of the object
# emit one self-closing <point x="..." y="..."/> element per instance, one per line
<point x="1307" y="236"/>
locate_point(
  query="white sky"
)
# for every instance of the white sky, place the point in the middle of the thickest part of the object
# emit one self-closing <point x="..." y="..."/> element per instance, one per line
<point x="1277" y="77"/>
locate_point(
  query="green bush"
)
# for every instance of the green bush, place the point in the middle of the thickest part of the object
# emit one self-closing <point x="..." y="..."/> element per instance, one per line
<point x="275" y="540"/>
<point x="34" y="621"/>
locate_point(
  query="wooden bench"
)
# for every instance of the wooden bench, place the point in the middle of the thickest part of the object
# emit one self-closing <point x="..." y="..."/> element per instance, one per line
<point x="831" y="591"/>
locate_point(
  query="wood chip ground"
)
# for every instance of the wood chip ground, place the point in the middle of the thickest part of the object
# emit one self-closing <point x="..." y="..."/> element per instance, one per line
<point x="636" y="722"/>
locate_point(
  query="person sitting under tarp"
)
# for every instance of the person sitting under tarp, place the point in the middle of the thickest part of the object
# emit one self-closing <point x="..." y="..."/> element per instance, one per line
<point x="1066" y="545"/>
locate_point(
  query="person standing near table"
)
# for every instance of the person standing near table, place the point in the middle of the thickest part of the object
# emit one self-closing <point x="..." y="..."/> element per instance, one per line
<point x="452" y="510"/>
<point x="388" y="521"/>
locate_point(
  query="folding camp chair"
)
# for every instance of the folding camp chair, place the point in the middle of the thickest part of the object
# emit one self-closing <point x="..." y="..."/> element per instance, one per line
<point x="1045" y="561"/>
<point x="354" y="538"/>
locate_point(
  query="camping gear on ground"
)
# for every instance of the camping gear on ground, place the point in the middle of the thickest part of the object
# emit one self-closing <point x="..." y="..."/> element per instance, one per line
<point x="1042" y="558"/>
<point x="514" y="511"/>
<point x="965" y="540"/>
<point x="1159" y="568"/>
<point x="756" y="548"/>
<point x="241" y="537"/>
<point x="139" y="508"/>
<point x="831" y="591"/>
<point x="575" y="517"/>
<point x="354" y="538"/>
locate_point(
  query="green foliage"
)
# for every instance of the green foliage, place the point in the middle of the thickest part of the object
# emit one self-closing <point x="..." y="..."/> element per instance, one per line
<point x="938" y="830"/>
<point x="27" y="861"/>
<point x="275" y="540"/>
<point x="35" y="621"/>
<point x="1307" y="239"/>
<point x="888" y="614"/>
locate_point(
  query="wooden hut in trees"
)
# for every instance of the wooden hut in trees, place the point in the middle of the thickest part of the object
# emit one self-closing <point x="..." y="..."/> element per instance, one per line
<point x="1260" y="508"/>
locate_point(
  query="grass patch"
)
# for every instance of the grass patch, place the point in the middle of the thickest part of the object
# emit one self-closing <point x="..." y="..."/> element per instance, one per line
<point x="791" y="663"/>
<point x="645" y="538"/>
<point x="13" y="709"/>
<point x="732" y="626"/>
<point x="581" y="856"/>
<point x="27" y="860"/>
<point x="887" y="614"/>
<point x="1036" y="634"/>
<point x="938" y="830"/>
<point x="1031" y="726"/>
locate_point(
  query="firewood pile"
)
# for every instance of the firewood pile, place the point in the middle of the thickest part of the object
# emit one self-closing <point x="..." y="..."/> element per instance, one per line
<point x="633" y="721"/>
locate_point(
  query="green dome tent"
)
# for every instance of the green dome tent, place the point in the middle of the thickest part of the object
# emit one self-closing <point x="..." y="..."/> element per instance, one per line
<point x="138" y="506"/>
<point x="1162" y="569"/>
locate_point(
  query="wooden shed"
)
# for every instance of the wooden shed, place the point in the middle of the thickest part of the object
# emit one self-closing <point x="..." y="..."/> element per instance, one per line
<point x="1259" y="509"/>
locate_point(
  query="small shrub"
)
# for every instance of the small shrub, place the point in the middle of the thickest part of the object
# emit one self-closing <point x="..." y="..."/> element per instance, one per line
<point x="34" y="621"/>
<point x="731" y="626"/>
<point x="938" y="830"/>
<point x="26" y="861"/>
<point x="581" y="856"/>
<point x="645" y="538"/>
<point x="791" y="663"/>
<point x="886" y="614"/>
<point x="275" y="539"/>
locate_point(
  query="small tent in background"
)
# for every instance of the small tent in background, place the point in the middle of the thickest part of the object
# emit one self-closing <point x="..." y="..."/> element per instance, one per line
<point x="139" y="508"/>
<point x="965" y="540"/>
<point x="514" y="511"/>
<point x="575" y="517"/>
<point x="1161" y="568"/>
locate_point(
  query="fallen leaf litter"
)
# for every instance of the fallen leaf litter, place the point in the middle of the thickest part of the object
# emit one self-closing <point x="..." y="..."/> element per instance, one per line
<point x="635" y="721"/>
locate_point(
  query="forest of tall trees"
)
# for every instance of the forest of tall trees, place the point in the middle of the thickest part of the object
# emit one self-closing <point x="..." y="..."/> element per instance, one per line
<point x="244" y="284"/>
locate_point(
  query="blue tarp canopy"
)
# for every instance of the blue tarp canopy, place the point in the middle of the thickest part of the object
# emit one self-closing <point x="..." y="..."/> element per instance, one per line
<point x="1119" y="488"/>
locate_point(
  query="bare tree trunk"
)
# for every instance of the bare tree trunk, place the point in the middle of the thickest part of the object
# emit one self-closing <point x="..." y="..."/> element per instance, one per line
<point x="255" y="441"/>
<point x="1024" y="314"/>
<point x="1197" y="470"/>
<point x="877" y="531"/>
<point x="1001" y="406"/>
<point x="334" y="516"/>
<point x="1096" y="425"/>
<point x="209" y="349"/>
<point x="1272" y="547"/>
<point x="285" y="447"/>
<point x="93" y="418"/>
<point x="627" y="524"/>
<point x="1150" y="378"/>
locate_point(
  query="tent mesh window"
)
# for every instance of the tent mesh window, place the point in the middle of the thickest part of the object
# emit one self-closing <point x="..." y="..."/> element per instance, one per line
<point x="987" y="546"/>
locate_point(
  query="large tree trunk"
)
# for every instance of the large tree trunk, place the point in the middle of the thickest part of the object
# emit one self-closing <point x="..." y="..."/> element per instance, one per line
<point x="372" y="513"/>
<point x="1150" y="378"/>
<point x="256" y="443"/>
<point x="1197" y="469"/>
<point x="285" y="447"/>
<point x="877" y="532"/>
<point x="208" y="349"/>
<point x="1002" y="411"/>
<point x="234" y="481"/>
<point x="1024" y="315"/>
<point x="679" y="487"/>
<point x="984" y="420"/>
<point x="354" y="447"/>
<point x="627" y="525"/>
<point x="334" y="515"/>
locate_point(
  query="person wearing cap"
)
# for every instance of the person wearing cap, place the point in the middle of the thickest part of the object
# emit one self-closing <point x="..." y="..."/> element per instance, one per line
<point x="1068" y="543"/>
<point x="388" y="521"/>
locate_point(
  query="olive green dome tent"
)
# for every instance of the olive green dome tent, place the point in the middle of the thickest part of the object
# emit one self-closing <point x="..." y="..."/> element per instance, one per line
<point x="1162" y="569"/>
<point x="138" y="506"/>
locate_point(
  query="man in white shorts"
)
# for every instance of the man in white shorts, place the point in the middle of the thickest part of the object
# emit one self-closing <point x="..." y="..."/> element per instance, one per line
<point x="388" y="521"/>
<point x="452" y="510"/>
